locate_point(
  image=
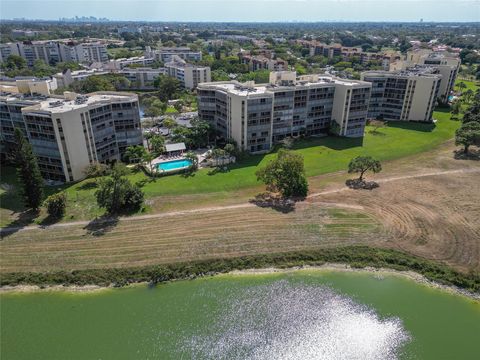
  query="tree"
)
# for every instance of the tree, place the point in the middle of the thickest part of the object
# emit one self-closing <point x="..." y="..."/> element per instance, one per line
<point x="456" y="107"/>
<point x="178" y="106"/>
<point x="56" y="205"/>
<point x="157" y="144"/>
<point x="95" y="170"/>
<point x="193" y="159"/>
<point x="134" y="154"/>
<point x="362" y="164"/>
<point x="28" y="172"/>
<point x="461" y="85"/>
<point x="167" y="85"/>
<point x="230" y="149"/>
<point x="285" y="174"/>
<point x="169" y="123"/>
<point x="287" y="142"/>
<point x="117" y="193"/>
<point x="468" y="134"/>
<point x="468" y="95"/>
<point x="147" y="158"/>
<point x="377" y="124"/>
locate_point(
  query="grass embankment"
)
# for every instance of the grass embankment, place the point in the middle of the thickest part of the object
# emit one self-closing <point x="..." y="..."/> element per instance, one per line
<point x="356" y="256"/>
<point x="322" y="155"/>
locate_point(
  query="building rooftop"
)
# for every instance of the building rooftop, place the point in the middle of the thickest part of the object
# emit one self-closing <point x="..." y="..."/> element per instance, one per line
<point x="71" y="101"/>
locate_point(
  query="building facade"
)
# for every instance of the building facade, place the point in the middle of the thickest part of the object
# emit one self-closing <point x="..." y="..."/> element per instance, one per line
<point x="142" y="78"/>
<point x="52" y="52"/>
<point x="257" y="116"/>
<point x="166" y="54"/>
<point x="447" y="64"/>
<point x="189" y="75"/>
<point x="406" y="95"/>
<point x="69" y="133"/>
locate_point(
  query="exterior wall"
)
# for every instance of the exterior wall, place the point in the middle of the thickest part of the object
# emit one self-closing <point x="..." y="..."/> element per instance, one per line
<point x="258" y="119"/>
<point x="53" y="52"/>
<point x="407" y="97"/>
<point x="65" y="140"/>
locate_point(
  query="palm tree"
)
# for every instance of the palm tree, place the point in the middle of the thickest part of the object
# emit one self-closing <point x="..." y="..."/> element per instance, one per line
<point x="468" y="95"/>
<point x="193" y="159"/>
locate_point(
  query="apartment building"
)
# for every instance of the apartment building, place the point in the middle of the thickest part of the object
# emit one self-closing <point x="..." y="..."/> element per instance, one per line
<point x="259" y="115"/>
<point x="70" y="132"/>
<point x="406" y="95"/>
<point x="52" y="52"/>
<point x="165" y="54"/>
<point x="347" y="53"/>
<point x="446" y="63"/>
<point x="29" y="85"/>
<point x="260" y="62"/>
<point x="189" y="75"/>
<point x="142" y="78"/>
<point x="119" y="64"/>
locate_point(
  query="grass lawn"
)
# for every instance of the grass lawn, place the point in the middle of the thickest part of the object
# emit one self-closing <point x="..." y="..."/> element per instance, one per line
<point x="322" y="155"/>
<point x="470" y="85"/>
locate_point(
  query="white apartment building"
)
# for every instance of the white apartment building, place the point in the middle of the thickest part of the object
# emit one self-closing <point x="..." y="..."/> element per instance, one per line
<point x="189" y="75"/>
<point x="166" y="54"/>
<point x="30" y="86"/>
<point x="406" y="95"/>
<point x="257" y="116"/>
<point x="118" y="64"/>
<point x="446" y="63"/>
<point x="70" y="132"/>
<point x="52" y="52"/>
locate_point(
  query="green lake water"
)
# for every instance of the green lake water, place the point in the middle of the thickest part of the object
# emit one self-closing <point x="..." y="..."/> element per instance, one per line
<point x="307" y="314"/>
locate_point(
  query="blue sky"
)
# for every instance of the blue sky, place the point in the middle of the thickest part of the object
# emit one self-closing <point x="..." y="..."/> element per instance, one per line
<point x="246" y="10"/>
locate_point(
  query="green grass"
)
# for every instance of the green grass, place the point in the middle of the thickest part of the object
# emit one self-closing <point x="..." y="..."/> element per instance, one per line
<point x="321" y="155"/>
<point x="470" y="85"/>
<point x="356" y="256"/>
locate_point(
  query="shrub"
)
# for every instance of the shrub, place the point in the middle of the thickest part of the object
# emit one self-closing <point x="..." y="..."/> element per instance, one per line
<point x="56" y="204"/>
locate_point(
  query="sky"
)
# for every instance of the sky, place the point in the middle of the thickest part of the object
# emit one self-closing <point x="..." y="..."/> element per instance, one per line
<point x="246" y="10"/>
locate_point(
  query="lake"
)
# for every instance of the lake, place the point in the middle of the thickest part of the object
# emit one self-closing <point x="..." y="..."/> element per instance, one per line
<point x="304" y="314"/>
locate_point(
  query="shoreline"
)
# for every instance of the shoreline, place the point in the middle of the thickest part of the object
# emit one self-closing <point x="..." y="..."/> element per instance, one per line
<point x="339" y="267"/>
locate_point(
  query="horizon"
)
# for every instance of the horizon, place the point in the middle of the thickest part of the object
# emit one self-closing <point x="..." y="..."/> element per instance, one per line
<point x="265" y="11"/>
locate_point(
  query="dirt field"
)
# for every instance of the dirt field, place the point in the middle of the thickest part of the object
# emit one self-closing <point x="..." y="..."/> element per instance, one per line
<point x="428" y="205"/>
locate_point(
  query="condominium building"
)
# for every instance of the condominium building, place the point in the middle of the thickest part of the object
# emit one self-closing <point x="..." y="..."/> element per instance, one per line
<point x="29" y="85"/>
<point x="165" y="54"/>
<point x="260" y="62"/>
<point x="446" y="63"/>
<point x="142" y="78"/>
<point x="52" y="52"/>
<point x="189" y="75"/>
<point x="257" y="116"/>
<point x="70" y="132"/>
<point x="406" y="95"/>
<point x="118" y="64"/>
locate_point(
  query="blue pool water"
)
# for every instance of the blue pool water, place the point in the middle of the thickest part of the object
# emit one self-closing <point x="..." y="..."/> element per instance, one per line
<point x="175" y="164"/>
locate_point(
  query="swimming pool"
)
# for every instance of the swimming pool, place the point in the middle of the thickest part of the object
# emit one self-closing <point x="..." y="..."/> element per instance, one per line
<point x="174" y="165"/>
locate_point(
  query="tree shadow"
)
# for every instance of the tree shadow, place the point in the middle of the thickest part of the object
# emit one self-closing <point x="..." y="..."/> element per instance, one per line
<point x="218" y="169"/>
<point x="50" y="220"/>
<point x="188" y="173"/>
<point x="410" y="125"/>
<point x="88" y="186"/>
<point x="102" y="225"/>
<point x="275" y="202"/>
<point x="357" y="184"/>
<point x="471" y="155"/>
<point x="376" y="133"/>
<point x="25" y="218"/>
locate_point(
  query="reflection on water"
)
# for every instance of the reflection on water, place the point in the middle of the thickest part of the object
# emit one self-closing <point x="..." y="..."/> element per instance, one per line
<point x="286" y="320"/>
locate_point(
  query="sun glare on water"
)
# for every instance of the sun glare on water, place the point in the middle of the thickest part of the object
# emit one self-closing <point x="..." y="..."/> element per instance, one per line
<point x="298" y="321"/>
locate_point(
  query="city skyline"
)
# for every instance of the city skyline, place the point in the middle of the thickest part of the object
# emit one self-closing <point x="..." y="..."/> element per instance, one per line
<point x="246" y="10"/>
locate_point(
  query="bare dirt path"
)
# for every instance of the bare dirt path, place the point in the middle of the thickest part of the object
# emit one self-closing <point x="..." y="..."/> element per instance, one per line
<point x="229" y="207"/>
